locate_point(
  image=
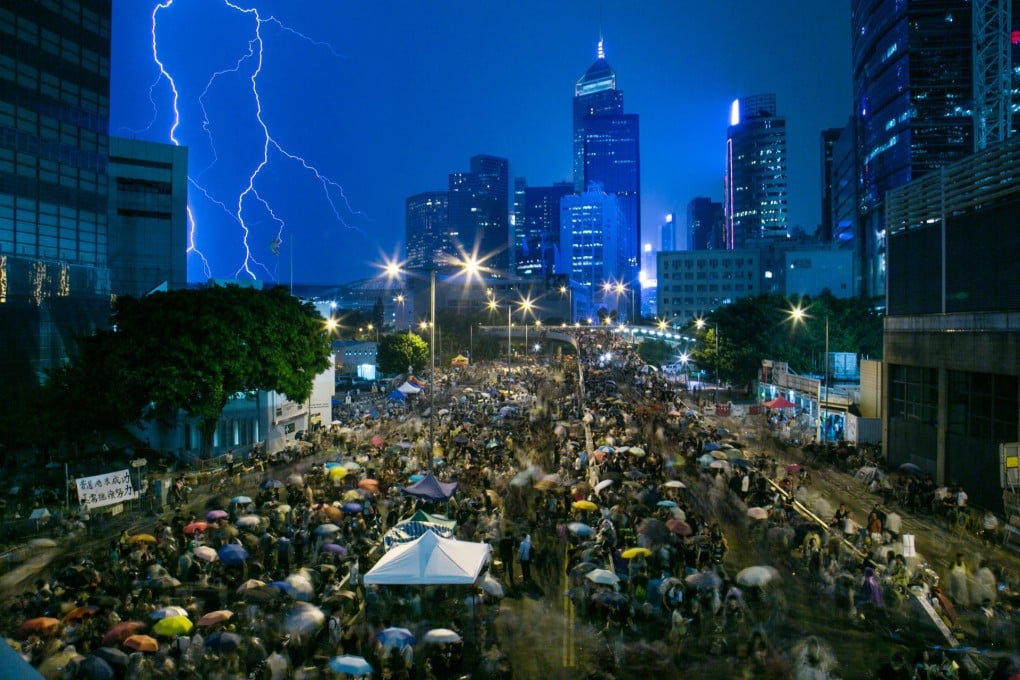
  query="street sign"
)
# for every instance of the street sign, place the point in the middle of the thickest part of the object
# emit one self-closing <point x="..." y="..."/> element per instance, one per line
<point x="139" y="462"/>
<point x="1009" y="459"/>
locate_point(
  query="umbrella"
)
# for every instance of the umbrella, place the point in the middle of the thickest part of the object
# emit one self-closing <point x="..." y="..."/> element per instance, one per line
<point x="757" y="513"/>
<point x="195" y="527"/>
<point x="330" y="511"/>
<point x="703" y="580"/>
<point x="603" y="484"/>
<point x="43" y="543"/>
<point x="580" y="528"/>
<point x="675" y="484"/>
<point x="370" y="484"/>
<point x="41" y="625"/>
<point x="395" y="637"/>
<point x="792" y="467"/>
<point x="377" y="441"/>
<point x="248" y="521"/>
<point x="610" y="599"/>
<point x="271" y="484"/>
<point x="757" y="576"/>
<point x="164" y="582"/>
<point x="712" y="446"/>
<point x="301" y="587"/>
<point x="337" y="473"/>
<point x="327" y="529"/>
<point x="118" y="632"/>
<point x="142" y="538"/>
<point x="250" y="584"/>
<point x="653" y="529"/>
<point x="112" y="656"/>
<point x="142" y="643"/>
<point x="718" y="464"/>
<point x="740" y="463"/>
<point x="79" y="613"/>
<point x="490" y="585"/>
<point x="167" y="612"/>
<point x="172" y="626"/>
<point x="351" y="466"/>
<point x="910" y="468"/>
<point x="204" y="552"/>
<point x="304" y="619"/>
<point x="441" y="636"/>
<point x="296" y="479"/>
<point x="631" y="553"/>
<point x="583" y="568"/>
<point x="213" y="618"/>
<point x="334" y="549"/>
<point x="585" y="505"/>
<point x="58" y="664"/>
<point x="214" y="515"/>
<point x="352" y="508"/>
<point x="240" y="500"/>
<point x="679" y="527"/>
<point x="232" y="553"/>
<point x="637" y="451"/>
<point x="350" y="665"/>
<point x="95" y="668"/>
<point x="223" y="641"/>
<point x="719" y="454"/>
<point x="666" y="503"/>
<point x="602" y="577"/>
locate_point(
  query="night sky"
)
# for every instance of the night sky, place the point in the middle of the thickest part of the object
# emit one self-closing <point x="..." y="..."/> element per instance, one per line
<point x="382" y="100"/>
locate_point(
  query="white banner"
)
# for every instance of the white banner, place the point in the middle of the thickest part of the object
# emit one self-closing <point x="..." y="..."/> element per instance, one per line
<point x="105" y="489"/>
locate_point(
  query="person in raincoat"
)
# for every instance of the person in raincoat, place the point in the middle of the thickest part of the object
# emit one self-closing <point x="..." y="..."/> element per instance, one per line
<point x="958" y="575"/>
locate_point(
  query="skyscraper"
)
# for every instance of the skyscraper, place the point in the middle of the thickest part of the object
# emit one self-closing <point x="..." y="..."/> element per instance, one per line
<point x="517" y="221"/>
<point x="148" y="216"/>
<point x="589" y="248"/>
<point x="607" y="152"/>
<point x="668" y="236"/>
<point x="427" y="230"/>
<point x="704" y="224"/>
<point x="829" y="139"/>
<point x="540" y="229"/>
<point x="913" y="93"/>
<point x="480" y="209"/>
<point x="755" y="205"/>
<point x="54" y="121"/>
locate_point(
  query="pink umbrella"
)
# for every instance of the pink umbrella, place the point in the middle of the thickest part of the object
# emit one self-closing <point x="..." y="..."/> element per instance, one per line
<point x="377" y="441"/>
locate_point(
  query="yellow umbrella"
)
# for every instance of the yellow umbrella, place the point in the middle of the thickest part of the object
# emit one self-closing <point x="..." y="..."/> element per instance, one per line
<point x="351" y="495"/>
<point x="339" y="472"/>
<point x="172" y="626"/>
<point x="631" y="553"/>
<point x="142" y="538"/>
<point x="584" y="505"/>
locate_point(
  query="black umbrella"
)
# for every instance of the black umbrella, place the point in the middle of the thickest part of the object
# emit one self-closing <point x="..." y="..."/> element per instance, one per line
<point x="94" y="668"/>
<point x="610" y="599"/>
<point x="653" y="529"/>
<point x="223" y="641"/>
<point x="112" y="656"/>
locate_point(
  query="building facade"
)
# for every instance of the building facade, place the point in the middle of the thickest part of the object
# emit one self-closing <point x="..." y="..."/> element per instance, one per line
<point x="755" y="203"/>
<point x="479" y="208"/>
<point x="693" y="283"/>
<point x="951" y="343"/>
<point x="704" y="224"/>
<point x="539" y="231"/>
<point x="148" y="217"/>
<point x="607" y="153"/>
<point x="829" y="138"/>
<point x="54" y="156"/>
<point x="590" y="253"/>
<point x="428" y="236"/>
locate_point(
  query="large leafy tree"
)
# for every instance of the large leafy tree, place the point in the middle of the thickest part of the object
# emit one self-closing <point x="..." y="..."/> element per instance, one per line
<point x="195" y="349"/>
<point x="397" y="351"/>
<point x="655" y="352"/>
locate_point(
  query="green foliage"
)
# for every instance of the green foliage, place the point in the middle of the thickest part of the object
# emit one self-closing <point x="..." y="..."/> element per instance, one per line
<point x="655" y="352"/>
<point x="761" y="327"/>
<point x="397" y="351"/>
<point x="193" y="350"/>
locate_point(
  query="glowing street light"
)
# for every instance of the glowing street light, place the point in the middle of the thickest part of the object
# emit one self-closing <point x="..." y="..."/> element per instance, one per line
<point x="700" y="323"/>
<point x="798" y="315"/>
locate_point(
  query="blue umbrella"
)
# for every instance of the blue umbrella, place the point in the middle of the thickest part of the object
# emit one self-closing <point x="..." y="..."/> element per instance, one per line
<point x="351" y="665"/>
<point x="666" y="504"/>
<point x="741" y="463"/>
<point x="580" y="528"/>
<point x="232" y="553"/>
<point x="395" y="637"/>
<point x="223" y="641"/>
<point x="351" y="507"/>
<point x="712" y="446"/>
<point x="240" y="500"/>
<point x="416" y="478"/>
<point x="271" y="484"/>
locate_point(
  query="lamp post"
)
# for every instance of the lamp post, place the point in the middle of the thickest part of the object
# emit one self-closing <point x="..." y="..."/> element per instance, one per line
<point x="701" y="323"/>
<point x="798" y="314"/>
<point x="569" y="292"/>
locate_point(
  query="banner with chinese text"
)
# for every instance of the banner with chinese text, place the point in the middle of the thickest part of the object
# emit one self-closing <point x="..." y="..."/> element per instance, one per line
<point x="105" y="489"/>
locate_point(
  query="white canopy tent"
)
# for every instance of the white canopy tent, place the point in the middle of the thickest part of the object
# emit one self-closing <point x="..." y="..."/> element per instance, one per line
<point x="430" y="560"/>
<point x="408" y="388"/>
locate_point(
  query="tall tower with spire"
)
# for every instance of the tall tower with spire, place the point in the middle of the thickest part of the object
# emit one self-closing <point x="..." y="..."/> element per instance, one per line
<point x="606" y="156"/>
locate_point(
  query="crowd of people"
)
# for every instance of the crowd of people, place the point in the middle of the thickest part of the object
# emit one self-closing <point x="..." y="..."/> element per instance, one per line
<point x="678" y="541"/>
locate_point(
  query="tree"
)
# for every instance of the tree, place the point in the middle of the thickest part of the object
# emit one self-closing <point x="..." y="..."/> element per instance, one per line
<point x="655" y="352"/>
<point x="397" y="351"/>
<point x="193" y="350"/>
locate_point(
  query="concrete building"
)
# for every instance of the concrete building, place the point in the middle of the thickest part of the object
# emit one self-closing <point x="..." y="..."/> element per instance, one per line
<point x="693" y="283"/>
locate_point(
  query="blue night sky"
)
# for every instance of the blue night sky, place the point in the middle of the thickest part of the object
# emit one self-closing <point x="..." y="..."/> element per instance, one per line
<point x="382" y="100"/>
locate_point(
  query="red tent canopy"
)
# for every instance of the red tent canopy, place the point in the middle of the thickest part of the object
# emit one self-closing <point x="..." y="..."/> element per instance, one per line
<point x="779" y="402"/>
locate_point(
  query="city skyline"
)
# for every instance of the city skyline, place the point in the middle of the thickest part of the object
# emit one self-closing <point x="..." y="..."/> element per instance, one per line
<point x="445" y="83"/>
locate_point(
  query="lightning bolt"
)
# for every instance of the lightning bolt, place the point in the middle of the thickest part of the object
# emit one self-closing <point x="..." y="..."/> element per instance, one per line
<point x="238" y="208"/>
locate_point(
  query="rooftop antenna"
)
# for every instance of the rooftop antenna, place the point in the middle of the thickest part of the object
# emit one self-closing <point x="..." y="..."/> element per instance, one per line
<point x="601" y="52"/>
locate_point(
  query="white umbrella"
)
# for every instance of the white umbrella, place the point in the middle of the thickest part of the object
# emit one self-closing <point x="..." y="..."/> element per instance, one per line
<point x="602" y="577"/>
<point x="603" y="484"/>
<point x="167" y="612"/>
<point x="248" y="521"/>
<point x="441" y="635"/>
<point x="675" y="484"/>
<point x="757" y="576"/>
<point x="491" y="586"/>
<point x="304" y="619"/>
<point x="328" y="528"/>
<point x="302" y="587"/>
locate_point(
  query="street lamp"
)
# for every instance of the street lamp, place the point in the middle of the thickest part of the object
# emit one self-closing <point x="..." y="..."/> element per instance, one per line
<point x="569" y="292"/>
<point x="798" y="314"/>
<point x="700" y="324"/>
<point x="494" y="305"/>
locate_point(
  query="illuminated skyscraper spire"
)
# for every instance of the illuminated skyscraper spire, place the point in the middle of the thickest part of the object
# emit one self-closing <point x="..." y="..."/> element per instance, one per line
<point x="601" y="51"/>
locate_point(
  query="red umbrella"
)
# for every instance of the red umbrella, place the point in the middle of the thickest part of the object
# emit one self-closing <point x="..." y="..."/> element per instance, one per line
<point x="196" y="527"/>
<point x="679" y="527"/>
<point x="377" y="441"/>
<point x="370" y="484"/>
<point x="80" y="613"/>
<point x="780" y="402"/>
<point x="121" y="631"/>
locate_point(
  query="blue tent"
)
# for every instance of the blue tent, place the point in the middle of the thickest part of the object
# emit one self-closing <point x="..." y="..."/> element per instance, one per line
<point x="396" y="395"/>
<point x="431" y="489"/>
